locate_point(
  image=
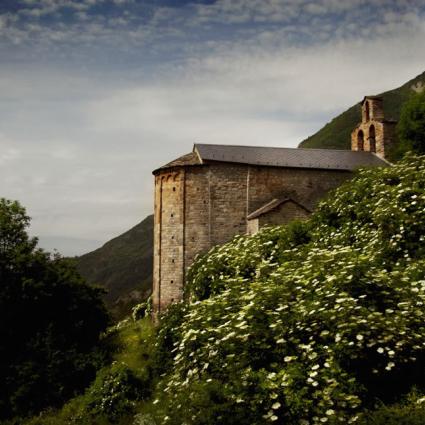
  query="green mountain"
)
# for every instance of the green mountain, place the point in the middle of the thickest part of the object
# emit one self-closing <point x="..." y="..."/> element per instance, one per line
<point x="337" y="133"/>
<point x="123" y="266"/>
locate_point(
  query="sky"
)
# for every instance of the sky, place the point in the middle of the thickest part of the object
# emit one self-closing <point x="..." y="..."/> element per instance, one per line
<point x="95" y="94"/>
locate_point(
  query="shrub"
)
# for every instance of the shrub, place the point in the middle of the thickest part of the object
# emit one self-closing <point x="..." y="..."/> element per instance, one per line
<point x="142" y="310"/>
<point x="309" y="323"/>
<point x="408" y="412"/>
<point x="411" y="126"/>
<point x="118" y="388"/>
<point x="114" y="393"/>
<point x="50" y="322"/>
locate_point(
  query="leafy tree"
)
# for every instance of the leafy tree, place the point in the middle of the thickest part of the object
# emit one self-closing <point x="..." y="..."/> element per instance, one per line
<point x="50" y="321"/>
<point x="411" y="127"/>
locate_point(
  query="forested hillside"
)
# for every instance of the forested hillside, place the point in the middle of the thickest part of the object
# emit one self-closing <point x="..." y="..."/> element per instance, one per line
<point x="337" y="133"/>
<point x="123" y="266"/>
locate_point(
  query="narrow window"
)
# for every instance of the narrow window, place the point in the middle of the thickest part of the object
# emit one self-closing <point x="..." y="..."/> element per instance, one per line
<point x="367" y="111"/>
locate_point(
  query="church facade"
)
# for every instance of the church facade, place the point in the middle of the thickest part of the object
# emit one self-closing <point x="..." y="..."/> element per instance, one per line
<point x="206" y="197"/>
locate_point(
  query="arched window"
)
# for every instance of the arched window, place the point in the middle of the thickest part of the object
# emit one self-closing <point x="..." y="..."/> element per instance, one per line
<point x="360" y="140"/>
<point x="367" y="111"/>
<point x="372" y="141"/>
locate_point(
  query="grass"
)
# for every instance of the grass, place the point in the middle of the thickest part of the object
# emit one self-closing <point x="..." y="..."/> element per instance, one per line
<point x="133" y="344"/>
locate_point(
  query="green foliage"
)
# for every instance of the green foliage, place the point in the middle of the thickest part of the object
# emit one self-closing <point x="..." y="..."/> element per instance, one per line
<point x="309" y="323"/>
<point x="411" y="127"/>
<point x="142" y="310"/>
<point x="167" y="337"/>
<point x="50" y="322"/>
<point x="115" y="395"/>
<point x="210" y="274"/>
<point x="407" y="412"/>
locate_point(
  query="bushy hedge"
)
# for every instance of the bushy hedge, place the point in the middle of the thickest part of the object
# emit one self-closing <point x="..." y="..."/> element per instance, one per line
<point x="309" y="323"/>
<point x="408" y="412"/>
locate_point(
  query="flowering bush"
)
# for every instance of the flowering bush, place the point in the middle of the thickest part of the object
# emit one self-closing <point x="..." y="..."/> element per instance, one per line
<point x="114" y="393"/>
<point x="142" y="310"/>
<point x="308" y="323"/>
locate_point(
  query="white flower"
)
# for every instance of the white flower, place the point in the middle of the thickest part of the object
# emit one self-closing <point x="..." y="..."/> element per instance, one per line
<point x="276" y="405"/>
<point x="420" y="400"/>
<point x="389" y="366"/>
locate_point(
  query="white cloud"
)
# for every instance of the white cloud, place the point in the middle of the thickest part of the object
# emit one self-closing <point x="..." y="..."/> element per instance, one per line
<point x="78" y="147"/>
<point x="7" y="154"/>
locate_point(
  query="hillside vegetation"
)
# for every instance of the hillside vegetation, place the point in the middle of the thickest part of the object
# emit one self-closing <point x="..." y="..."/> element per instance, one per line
<point x="337" y="133"/>
<point x="123" y="266"/>
<point x="309" y="323"/>
<point x="50" y="322"/>
<point x="315" y="322"/>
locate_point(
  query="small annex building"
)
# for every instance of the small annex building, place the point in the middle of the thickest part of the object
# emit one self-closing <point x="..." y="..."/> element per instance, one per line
<point x="206" y="197"/>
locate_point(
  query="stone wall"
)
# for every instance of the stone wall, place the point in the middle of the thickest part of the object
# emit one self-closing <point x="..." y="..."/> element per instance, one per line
<point x="197" y="213"/>
<point x="228" y="195"/>
<point x="390" y="136"/>
<point x="307" y="186"/>
<point x="168" y="238"/>
<point x="384" y="137"/>
<point x="197" y="207"/>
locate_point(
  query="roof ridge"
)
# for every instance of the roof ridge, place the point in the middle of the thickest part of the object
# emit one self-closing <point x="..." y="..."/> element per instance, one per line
<point x="273" y="204"/>
<point x="280" y="147"/>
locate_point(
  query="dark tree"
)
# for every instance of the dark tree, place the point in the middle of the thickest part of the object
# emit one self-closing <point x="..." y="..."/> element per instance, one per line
<point x="50" y="322"/>
<point x="411" y="127"/>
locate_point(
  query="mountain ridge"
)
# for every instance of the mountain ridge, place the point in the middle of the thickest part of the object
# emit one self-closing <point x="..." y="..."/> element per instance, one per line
<point x="123" y="266"/>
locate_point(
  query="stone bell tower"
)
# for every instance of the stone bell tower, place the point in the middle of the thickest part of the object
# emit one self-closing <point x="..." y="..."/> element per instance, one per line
<point x="374" y="133"/>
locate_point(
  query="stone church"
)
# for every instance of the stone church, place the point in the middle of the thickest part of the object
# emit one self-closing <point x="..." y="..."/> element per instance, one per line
<point x="206" y="197"/>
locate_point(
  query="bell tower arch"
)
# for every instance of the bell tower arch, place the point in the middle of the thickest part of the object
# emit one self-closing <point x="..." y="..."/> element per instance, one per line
<point x="374" y="133"/>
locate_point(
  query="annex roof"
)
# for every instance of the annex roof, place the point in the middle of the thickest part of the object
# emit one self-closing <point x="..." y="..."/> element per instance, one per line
<point x="273" y="204"/>
<point x="288" y="157"/>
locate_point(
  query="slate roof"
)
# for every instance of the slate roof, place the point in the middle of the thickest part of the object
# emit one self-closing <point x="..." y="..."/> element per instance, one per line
<point x="188" y="159"/>
<point x="371" y="97"/>
<point x="288" y="157"/>
<point x="272" y="205"/>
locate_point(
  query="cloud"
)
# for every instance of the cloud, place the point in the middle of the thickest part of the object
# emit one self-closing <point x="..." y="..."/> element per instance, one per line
<point x="80" y="138"/>
<point x="7" y="154"/>
<point x="126" y="24"/>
